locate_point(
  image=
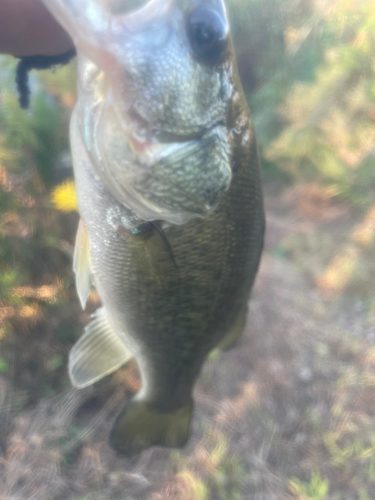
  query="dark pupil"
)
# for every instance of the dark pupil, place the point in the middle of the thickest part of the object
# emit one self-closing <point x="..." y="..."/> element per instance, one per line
<point x="204" y="34"/>
<point x="207" y="31"/>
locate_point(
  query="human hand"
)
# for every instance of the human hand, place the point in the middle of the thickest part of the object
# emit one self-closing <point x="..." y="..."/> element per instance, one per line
<point x="27" y="28"/>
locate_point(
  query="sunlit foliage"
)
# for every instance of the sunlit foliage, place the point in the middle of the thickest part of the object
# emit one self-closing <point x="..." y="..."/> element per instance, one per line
<point x="329" y="122"/>
<point x="290" y="413"/>
<point x="32" y="254"/>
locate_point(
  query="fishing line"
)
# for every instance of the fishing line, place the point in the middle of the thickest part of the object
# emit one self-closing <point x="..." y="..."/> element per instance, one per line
<point x="165" y="240"/>
<point x="27" y="63"/>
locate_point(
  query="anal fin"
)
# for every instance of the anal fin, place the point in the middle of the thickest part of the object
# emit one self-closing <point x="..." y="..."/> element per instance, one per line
<point x="81" y="264"/>
<point x="99" y="352"/>
<point x="234" y="333"/>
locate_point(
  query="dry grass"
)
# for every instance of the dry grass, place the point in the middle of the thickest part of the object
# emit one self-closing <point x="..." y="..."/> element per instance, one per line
<point x="287" y="414"/>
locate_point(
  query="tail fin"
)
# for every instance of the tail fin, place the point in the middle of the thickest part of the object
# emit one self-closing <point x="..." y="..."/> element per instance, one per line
<point x="141" y="425"/>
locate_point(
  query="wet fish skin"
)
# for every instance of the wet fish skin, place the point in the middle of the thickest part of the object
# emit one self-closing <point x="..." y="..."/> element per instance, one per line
<point x="145" y="102"/>
<point x="171" y="292"/>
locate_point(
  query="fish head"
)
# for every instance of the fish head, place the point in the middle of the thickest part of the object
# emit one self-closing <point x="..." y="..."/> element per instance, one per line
<point x="174" y="71"/>
<point x="159" y="130"/>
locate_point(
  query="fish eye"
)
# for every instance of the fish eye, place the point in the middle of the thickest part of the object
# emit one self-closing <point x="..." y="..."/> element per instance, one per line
<point x="207" y="31"/>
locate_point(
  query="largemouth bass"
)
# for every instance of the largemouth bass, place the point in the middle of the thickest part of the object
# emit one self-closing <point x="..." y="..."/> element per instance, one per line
<point x="168" y="184"/>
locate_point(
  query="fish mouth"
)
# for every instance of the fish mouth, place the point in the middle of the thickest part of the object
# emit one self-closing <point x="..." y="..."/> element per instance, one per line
<point x="143" y="132"/>
<point x="165" y="159"/>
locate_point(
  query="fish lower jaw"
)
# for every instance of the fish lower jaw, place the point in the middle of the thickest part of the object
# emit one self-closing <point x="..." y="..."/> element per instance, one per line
<point x="144" y="131"/>
<point x="149" y="142"/>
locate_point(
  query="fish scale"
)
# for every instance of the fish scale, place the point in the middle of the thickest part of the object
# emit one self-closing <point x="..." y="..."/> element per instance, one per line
<point x="168" y="186"/>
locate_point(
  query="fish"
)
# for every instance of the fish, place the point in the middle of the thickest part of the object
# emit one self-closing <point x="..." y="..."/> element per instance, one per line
<point x="168" y="180"/>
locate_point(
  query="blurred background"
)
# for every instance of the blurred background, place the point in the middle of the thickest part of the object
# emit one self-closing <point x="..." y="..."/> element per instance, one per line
<point x="290" y="412"/>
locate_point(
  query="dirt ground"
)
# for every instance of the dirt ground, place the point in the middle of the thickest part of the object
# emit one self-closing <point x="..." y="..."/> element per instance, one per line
<point x="287" y="414"/>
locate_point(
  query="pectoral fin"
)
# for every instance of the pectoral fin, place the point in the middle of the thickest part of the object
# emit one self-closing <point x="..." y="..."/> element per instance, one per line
<point x="99" y="352"/>
<point x="81" y="264"/>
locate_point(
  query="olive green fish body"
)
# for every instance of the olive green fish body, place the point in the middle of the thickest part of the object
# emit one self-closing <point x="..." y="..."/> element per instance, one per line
<point x="176" y="291"/>
<point x="168" y="185"/>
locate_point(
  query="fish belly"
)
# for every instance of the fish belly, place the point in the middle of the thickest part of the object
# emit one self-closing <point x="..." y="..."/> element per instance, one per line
<point x="173" y="292"/>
